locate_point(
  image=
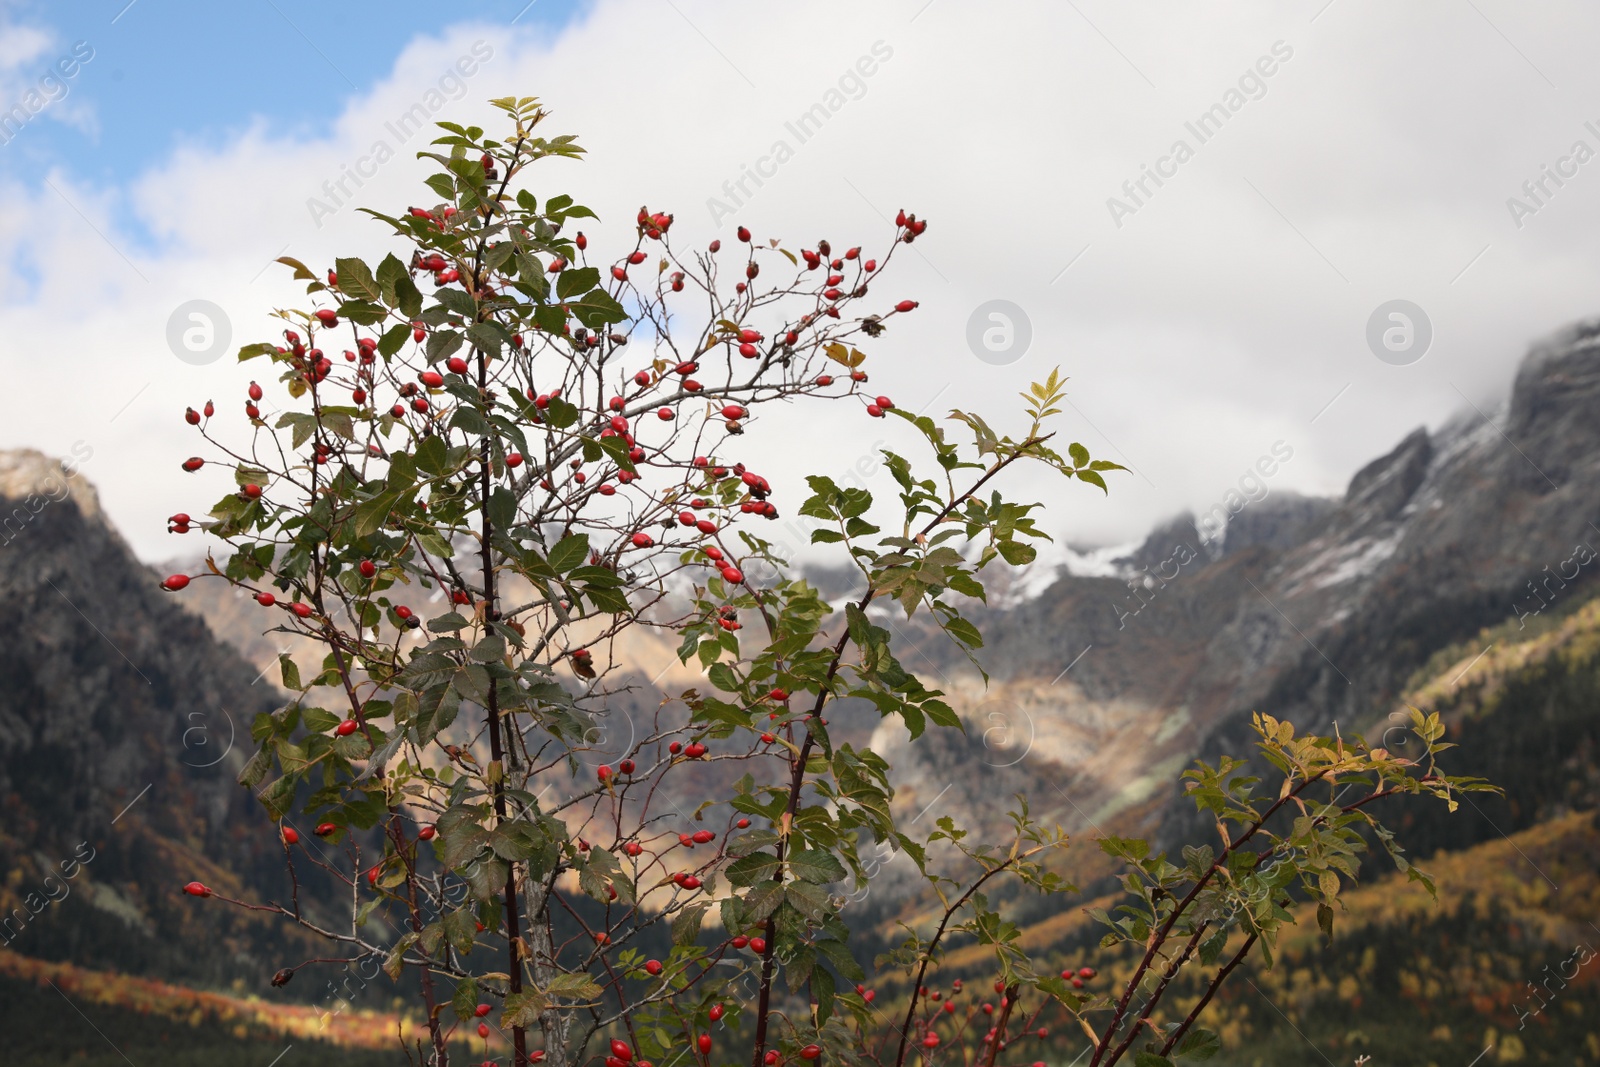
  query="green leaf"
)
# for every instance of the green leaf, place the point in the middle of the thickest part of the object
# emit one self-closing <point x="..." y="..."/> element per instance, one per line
<point x="256" y="769"/>
<point x="460" y="928"/>
<point x="523" y="1009"/>
<point x="1150" y="1059"/>
<point x="839" y="953"/>
<point x="570" y="552"/>
<point x="393" y="963"/>
<point x="574" y="986"/>
<point x="279" y="796"/>
<point x="1211" y="948"/>
<point x="390" y="271"/>
<point x="441" y="184"/>
<point x="394" y="339"/>
<point x="443" y="344"/>
<point x="617" y="449"/>
<point x="763" y="900"/>
<point x="356" y="280"/>
<point x="575" y="280"/>
<point x="752" y="868"/>
<point x="489" y="650"/>
<point x="822" y="986"/>
<point x="964" y="583"/>
<point x="372" y="514"/>
<point x="487" y="878"/>
<point x="1199" y="1044"/>
<point x="472" y="682"/>
<point x="409" y="298"/>
<point x="465" y="999"/>
<point x="319" y="720"/>
<point x="686" y="927"/>
<point x="942" y="714"/>
<point x="486" y="337"/>
<point x="809" y="900"/>
<point x="721" y="675"/>
<point x="816" y="866"/>
<point x="402" y="472"/>
<point x="433" y="454"/>
<point x="1325" y="922"/>
<point x="562" y="414"/>
<point x="597" y="310"/>
<point x="339" y="423"/>
<point x="291" y="673"/>
<point x="301" y="271"/>
<point x="501" y="508"/>
<point x="1016" y="553"/>
<point x="963" y="631"/>
<point x="1093" y="479"/>
<point x="362" y="312"/>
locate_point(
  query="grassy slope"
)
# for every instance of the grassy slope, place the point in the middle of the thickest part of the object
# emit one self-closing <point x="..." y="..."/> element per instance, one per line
<point x="1411" y="981"/>
<point x="51" y="1012"/>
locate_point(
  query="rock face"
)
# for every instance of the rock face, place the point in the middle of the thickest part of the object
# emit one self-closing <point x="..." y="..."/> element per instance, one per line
<point x="1281" y="521"/>
<point x="31" y="481"/>
<point x="1314" y="610"/>
<point x="122" y="727"/>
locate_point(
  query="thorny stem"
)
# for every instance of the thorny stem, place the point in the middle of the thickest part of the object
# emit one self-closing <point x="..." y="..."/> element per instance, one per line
<point x="1155" y="995"/>
<point x="1160" y="936"/>
<point x="798" y="768"/>
<point x="441" y="1051"/>
<point x="519" y="1035"/>
<point x="1000" y="1024"/>
<point x="1200" y="1006"/>
<point x="927" y="956"/>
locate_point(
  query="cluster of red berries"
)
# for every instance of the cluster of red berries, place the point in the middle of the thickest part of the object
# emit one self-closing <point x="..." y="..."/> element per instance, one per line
<point x="1078" y="978"/>
<point x="314" y="367"/>
<point x="653" y="224"/>
<point x="604" y="772"/>
<point x="622" y="1055"/>
<point x="911" y="224"/>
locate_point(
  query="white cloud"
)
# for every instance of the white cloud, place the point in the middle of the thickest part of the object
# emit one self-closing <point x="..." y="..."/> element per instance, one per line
<point x="37" y="74"/>
<point x="1220" y="317"/>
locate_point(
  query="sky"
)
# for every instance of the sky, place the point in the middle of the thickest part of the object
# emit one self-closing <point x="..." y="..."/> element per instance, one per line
<point x="1207" y="217"/>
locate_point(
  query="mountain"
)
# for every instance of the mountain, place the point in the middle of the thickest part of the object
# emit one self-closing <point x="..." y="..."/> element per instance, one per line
<point x="1455" y="573"/>
<point x="123" y="723"/>
<point x="1316" y="611"/>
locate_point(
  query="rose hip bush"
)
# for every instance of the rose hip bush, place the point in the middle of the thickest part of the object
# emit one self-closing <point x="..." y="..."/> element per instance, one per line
<point x="550" y="445"/>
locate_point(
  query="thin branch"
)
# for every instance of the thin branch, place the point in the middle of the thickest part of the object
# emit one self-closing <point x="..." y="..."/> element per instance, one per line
<point x="1216" y="983"/>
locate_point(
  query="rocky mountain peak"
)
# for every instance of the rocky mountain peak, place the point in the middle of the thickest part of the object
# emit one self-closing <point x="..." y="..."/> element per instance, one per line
<point x="1559" y="379"/>
<point x="29" y="479"/>
<point x="1381" y="489"/>
<point x="1279" y="521"/>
